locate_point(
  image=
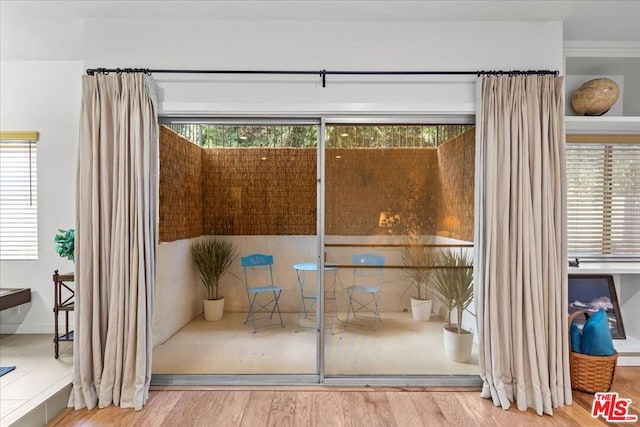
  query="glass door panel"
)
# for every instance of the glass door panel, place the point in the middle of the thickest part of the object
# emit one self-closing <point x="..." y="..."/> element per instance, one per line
<point x="396" y="198"/>
<point x="254" y="184"/>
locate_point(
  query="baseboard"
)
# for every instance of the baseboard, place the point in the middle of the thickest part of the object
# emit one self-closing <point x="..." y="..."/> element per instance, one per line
<point x="629" y="359"/>
<point x="16" y="328"/>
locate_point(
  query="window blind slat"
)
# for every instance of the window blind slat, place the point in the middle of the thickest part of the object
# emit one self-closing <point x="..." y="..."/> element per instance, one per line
<point x="18" y="200"/>
<point x="603" y="200"/>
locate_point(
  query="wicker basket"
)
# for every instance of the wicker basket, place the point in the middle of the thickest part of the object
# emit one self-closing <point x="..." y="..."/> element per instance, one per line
<point x="591" y="373"/>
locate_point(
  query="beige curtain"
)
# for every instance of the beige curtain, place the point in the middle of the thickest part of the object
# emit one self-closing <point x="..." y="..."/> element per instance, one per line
<point x="520" y="259"/>
<point x="115" y="241"/>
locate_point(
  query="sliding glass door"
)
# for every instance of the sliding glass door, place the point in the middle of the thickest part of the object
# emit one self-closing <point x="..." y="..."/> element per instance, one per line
<point x="397" y="197"/>
<point x="347" y="220"/>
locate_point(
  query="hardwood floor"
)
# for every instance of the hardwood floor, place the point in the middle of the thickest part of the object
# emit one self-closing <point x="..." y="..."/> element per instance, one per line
<point x="290" y="406"/>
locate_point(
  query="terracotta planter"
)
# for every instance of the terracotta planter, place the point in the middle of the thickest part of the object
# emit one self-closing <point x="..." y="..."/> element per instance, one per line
<point x="213" y="309"/>
<point x="421" y="309"/>
<point x="457" y="347"/>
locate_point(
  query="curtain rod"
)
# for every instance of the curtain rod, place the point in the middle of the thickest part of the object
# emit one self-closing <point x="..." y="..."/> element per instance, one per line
<point x="323" y="73"/>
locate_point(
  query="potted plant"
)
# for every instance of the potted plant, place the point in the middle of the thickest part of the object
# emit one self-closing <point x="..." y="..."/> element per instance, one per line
<point x="213" y="257"/>
<point x="416" y="258"/>
<point x="453" y="286"/>
<point x="65" y="243"/>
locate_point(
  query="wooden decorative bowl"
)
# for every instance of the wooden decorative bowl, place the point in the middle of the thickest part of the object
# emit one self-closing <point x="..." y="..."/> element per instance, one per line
<point x="595" y="97"/>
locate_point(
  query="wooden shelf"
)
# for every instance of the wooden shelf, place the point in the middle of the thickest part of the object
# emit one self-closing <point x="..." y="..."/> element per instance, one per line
<point x="602" y="125"/>
<point x="606" y="268"/>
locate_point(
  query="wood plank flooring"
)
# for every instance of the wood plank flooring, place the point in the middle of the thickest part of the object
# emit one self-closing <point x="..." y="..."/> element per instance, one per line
<point x="324" y="406"/>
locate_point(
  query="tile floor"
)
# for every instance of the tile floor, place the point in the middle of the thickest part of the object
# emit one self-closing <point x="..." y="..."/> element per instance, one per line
<point x="398" y="346"/>
<point x="38" y="389"/>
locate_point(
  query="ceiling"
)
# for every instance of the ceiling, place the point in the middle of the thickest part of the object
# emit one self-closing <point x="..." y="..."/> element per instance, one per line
<point x="582" y="20"/>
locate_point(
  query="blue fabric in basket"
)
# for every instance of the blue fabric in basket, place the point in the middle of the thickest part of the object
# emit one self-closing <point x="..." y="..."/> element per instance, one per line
<point x="576" y="338"/>
<point x="596" y="336"/>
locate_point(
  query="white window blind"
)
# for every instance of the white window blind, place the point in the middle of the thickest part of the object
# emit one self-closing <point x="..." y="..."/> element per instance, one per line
<point x="18" y="196"/>
<point x="603" y="196"/>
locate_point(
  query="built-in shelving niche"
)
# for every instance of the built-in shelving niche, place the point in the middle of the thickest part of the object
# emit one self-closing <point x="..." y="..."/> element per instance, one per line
<point x="618" y="61"/>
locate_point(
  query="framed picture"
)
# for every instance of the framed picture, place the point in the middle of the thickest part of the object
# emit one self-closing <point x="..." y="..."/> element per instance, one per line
<point x="593" y="292"/>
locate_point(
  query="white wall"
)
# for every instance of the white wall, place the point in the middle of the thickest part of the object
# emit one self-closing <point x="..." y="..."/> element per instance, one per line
<point x="42" y="96"/>
<point x="314" y="46"/>
<point x="45" y="96"/>
<point x="178" y="297"/>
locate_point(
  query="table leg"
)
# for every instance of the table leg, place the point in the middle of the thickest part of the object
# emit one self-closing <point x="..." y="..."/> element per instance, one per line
<point x="303" y="304"/>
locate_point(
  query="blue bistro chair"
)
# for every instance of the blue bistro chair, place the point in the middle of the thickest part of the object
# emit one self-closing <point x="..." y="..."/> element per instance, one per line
<point x="367" y="282"/>
<point x="262" y="294"/>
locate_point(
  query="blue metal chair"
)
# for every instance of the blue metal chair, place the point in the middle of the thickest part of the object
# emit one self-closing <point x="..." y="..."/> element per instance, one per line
<point x="367" y="282"/>
<point x="262" y="294"/>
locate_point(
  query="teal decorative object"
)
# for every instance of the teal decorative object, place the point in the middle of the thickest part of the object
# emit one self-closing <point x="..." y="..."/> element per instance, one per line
<point x="596" y="336"/>
<point x="576" y="337"/>
<point x="65" y="243"/>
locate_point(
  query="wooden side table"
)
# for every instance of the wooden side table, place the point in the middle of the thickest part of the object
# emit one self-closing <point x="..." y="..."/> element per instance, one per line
<point x="12" y="297"/>
<point x="64" y="297"/>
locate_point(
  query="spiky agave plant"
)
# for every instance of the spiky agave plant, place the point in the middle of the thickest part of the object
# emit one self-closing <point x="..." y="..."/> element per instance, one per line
<point x="453" y="285"/>
<point x="213" y="258"/>
<point x="416" y="259"/>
